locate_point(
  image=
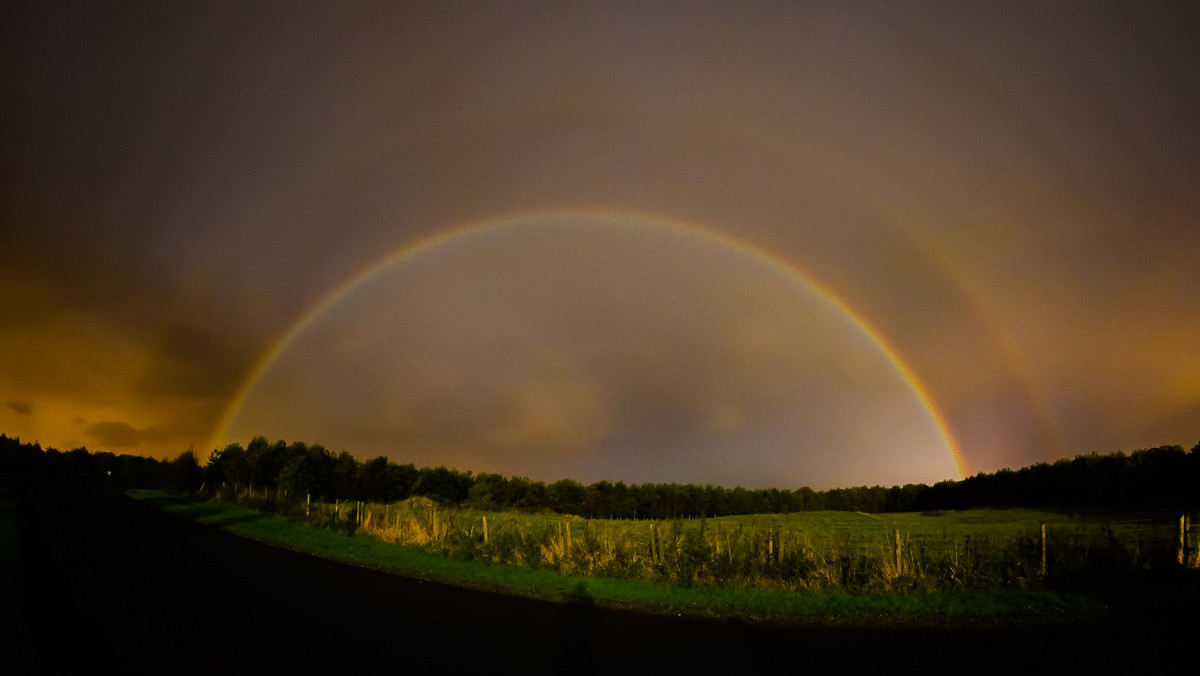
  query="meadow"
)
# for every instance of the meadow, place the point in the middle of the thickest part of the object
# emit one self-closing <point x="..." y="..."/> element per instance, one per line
<point x="980" y="562"/>
<point x="1112" y="535"/>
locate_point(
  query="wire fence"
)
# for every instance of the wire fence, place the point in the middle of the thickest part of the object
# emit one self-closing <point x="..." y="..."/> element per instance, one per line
<point x="864" y="553"/>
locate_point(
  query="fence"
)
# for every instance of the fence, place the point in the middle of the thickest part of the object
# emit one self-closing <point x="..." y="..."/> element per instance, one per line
<point x="770" y="554"/>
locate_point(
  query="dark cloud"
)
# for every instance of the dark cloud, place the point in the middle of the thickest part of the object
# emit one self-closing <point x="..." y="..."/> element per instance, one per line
<point x="118" y="435"/>
<point x="20" y="407"/>
<point x="195" y="362"/>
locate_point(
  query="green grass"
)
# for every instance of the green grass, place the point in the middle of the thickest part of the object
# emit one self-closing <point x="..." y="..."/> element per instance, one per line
<point x="744" y="601"/>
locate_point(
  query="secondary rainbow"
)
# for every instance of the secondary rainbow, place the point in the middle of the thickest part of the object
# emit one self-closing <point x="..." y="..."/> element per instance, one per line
<point x="767" y="258"/>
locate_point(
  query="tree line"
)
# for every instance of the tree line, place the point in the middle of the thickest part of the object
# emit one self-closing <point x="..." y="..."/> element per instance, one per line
<point x="1163" y="476"/>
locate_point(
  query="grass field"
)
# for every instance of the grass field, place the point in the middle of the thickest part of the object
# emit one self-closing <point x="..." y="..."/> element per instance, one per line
<point x="974" y="565"/>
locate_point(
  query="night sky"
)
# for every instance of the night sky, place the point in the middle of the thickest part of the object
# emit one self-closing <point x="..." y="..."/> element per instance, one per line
<point x="758" y="244"/>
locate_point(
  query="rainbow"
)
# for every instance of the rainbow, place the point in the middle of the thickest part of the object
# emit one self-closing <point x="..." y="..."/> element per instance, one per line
<point x="774" y="262"/>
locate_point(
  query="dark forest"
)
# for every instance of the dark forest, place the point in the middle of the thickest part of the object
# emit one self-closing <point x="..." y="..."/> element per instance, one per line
<point x="1164" y="476"/>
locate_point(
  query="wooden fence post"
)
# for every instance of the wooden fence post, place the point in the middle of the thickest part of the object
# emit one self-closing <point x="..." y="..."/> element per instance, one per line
<point x="658" y="544"/>
<point x="485" y="532"/>
<point x="1182" y="537"/>
<point x="655" y="555"/>
<point x="1189" y="543"/>
<point x="899" y="558"/>
<point x="1043" y="550"/>
<point x="307" y="503"/>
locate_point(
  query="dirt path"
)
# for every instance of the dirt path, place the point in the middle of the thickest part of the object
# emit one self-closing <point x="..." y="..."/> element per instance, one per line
<point x="112" y="583"/>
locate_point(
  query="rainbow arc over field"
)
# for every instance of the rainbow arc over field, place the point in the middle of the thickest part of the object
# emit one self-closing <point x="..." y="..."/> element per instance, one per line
<point x="761" y="256"/>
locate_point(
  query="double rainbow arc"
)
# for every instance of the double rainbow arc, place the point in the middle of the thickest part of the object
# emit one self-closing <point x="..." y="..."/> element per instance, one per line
<point x="765" y="258"/>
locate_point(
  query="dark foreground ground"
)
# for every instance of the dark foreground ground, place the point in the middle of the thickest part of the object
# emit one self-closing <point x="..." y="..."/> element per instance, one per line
<point x="115" y="585"/>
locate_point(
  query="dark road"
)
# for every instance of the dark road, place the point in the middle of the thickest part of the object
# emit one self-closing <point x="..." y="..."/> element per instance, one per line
<point x="112" y="584"/>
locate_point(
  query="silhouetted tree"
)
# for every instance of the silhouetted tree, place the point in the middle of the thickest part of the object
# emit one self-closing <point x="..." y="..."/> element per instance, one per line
<point x="373" y="481"/>
<point x="228" y="466"/>
<point x="443" y="485"/>
<point x="345" y="477"/>
<point x="620" y="501"/>
<point x="265" y="461"/>
<point x="308" y="472"/>
<point x="487" y="491"/>
<point x="403" y="479"/>
<point x="567" y="497"/>
<point x="183" y="474"/>
<point x="521" y="493"/>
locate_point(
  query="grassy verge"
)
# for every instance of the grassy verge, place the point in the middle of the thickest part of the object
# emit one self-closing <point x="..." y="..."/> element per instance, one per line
<point x="826" y="607"/>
